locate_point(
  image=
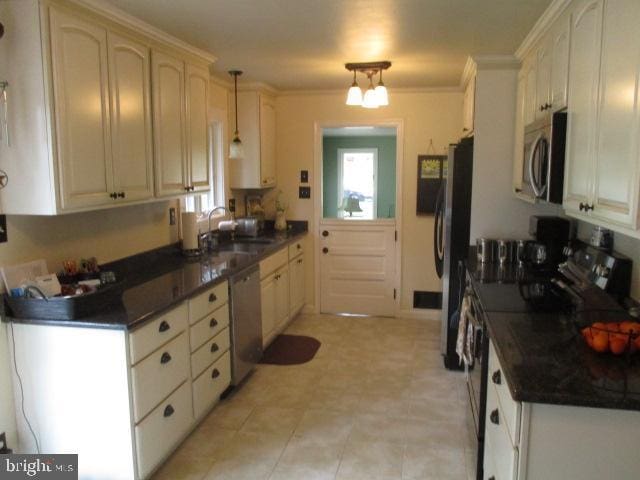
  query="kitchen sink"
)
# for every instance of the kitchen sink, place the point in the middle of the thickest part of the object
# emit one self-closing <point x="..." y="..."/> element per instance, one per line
<point x="258" y="240"/>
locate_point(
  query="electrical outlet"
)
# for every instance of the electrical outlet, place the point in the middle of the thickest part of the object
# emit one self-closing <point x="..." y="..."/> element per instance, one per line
<point x="304" y="176"/>
<point x="304" y="192"/>
<point x="172" y="216"/>
<point x="3" y="229"/>
<point x="4" y="448"/>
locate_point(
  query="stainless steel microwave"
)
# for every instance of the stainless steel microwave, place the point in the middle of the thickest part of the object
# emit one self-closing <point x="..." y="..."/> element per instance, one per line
<point x="543" y="159"/>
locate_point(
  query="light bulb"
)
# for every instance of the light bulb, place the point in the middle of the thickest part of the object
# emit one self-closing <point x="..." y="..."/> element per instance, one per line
<point x="370" y="98"/>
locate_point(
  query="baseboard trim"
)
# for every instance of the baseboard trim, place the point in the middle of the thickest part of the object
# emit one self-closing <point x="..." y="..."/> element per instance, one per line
<point x="432" y="315"/>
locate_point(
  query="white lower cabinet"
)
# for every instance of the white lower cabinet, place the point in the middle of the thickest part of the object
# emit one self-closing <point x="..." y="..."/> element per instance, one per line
<point x="162" y="429"/>
<point x="208" y="387"/>
<point x="534" y="441"/>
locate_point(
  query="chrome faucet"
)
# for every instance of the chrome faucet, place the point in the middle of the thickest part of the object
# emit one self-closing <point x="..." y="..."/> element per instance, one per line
<point x="215" y="209"/>
<point x="208" y="236"/>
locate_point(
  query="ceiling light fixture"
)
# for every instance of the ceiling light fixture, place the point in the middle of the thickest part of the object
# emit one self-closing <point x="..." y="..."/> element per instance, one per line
<point x="236" y="151"/>
<point x="374" y="97"/>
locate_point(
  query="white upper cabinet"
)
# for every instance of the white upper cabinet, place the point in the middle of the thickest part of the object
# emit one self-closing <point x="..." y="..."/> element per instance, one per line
<point x="132" y="150"/>
<point x="81" y="93"/>
<point x="95" y="118"/>
<point x="615" y="196"/>
<point x="169" y="125"/>
<point x="468" y="107"/>
<point x="560" y="63"/>
<point x="530" y="105"/>
<point x="584" y="64"/>
<point x="257" y="125"/>
<point x="197" y="88"/>
<point x="543" y="80"/>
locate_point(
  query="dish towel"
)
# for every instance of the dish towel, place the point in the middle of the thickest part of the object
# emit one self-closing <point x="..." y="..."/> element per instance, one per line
<point x="462" y="341"/>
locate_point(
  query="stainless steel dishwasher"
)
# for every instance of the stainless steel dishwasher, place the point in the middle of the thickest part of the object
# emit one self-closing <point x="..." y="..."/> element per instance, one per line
<point x="246" y="323"/>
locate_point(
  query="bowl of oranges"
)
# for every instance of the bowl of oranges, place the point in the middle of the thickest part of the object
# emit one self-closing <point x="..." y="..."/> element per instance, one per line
<point x="616" y="337"/>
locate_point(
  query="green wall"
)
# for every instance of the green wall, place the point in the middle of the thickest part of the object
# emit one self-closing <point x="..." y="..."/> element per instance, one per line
<point x="386" y="172"/>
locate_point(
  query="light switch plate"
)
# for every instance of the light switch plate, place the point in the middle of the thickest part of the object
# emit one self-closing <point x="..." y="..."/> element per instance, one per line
<point x="304" y="192"/>
<point x="3" y="229"/>
<point x="304" y="176"/>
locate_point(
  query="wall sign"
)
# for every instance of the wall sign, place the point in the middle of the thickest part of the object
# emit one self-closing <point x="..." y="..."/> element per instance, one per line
<point x="432" y="169"/>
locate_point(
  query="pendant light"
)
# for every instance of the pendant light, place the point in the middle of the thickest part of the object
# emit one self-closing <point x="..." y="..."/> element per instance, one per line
<point x="354" y="97"/>
<point x="236" y="151"/>
<point x="381" y="93"/>
<point x="370" y="99"/>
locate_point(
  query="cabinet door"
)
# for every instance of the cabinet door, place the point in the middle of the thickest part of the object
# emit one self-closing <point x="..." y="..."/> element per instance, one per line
<point x="268" y="307"/>
<point x="543" y="82"/>
<point x="616" y="179"/>
<point x="584" y="58"/>
<point x="518" y="153"/>
<point x="530" y="104"/>
<point x="81" y="94"/>
<point x="296" y="285"/>
<point x="131" y="142"/>
<point x="197" y="88"/>
<point x="468" y="107"/>
<point x="168" y="124"/>
<point x="282" y="295"/>
<point x="267" y="141"/>
<point x="560" y="65"/>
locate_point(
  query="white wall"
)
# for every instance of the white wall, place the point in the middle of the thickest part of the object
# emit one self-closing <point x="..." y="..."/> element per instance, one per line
<point x="495" y="211"/>
<point x="429" y="115"/>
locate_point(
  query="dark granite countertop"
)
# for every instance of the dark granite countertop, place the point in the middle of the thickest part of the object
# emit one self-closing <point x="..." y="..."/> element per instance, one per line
<point x="156" y="281"/>
<point x="545" y="359"/>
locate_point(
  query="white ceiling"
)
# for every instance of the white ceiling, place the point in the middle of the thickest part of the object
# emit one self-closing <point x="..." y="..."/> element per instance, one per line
<point x="359" y="132"/>
<point x="303" y="44"/>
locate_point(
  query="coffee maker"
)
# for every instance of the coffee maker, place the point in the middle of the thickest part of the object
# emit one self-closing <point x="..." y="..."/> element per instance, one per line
<point x="551" y="234"/>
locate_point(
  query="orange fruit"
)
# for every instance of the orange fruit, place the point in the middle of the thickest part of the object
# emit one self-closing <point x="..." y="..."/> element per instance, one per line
<point x="599" y="326"/>
<point x="617" y="345"/>
<point x="588" y="336"/>
<point x="601" y="342"/>
<point x="630" y="327"/>
<point x="636" y="342"/>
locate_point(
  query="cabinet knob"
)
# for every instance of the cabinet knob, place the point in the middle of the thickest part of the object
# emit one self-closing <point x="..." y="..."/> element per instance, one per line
<point x="113" y="195"/>
<point x="300" y="260"/>
<point x="164" y="326"/>
<point x="585" y="206"/>
<point x="213" y="323"/>
<point x="465" y="129"/>
<point x="494" y="416"/>
<point x="120" y="194"/>
<point x="298" y="246"/>
<point x="214" y="347"/>
<point x="212" y="297"/>
<point x="491" y="478"/>
<point x="325" y="250"/>
<point x="168" y="410"/>
<point x="325" y="233"/>
<point x="496" y="377"/>
<point x="165" y="358"/>
<point x="215" y="374"/>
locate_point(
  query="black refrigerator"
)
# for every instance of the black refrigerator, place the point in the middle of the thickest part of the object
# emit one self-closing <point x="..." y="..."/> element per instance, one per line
<point x="452" y="224"/>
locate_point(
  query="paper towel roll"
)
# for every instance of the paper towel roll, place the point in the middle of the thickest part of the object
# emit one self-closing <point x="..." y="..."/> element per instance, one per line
<point x="189" y="231"/>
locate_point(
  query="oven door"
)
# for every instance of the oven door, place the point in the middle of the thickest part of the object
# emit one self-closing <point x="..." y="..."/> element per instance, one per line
<point x="536" y="161"/>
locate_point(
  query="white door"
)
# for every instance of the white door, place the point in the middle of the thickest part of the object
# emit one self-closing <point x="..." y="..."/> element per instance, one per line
<point x="616" y="179"/>
<point x="168" y="125"/>
<point x="197" y="82"/>
<point x="357" y="265"/>
<point x="130" y="79"/>
<point x="586" y="27"/>
<point x="81" y="91"/>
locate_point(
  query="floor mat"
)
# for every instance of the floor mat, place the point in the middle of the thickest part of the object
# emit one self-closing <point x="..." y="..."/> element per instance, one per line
<point x="290" y="350"/>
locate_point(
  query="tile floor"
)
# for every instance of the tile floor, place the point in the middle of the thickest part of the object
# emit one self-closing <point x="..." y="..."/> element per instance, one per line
<point x="375" y="403"/>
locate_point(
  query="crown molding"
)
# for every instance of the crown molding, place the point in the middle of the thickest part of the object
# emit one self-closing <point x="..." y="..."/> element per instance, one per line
<point x="221" y="82"/>
<point x="392" y="91"/>
<point x="550" y="15"/>
<point x="468" y="72"/>
<point x="476" y="63"/>
<point x="107" y="10"/>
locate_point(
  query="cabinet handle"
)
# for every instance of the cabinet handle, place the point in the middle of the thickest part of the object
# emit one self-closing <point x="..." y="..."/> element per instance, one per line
<point x="215" y="374"/>
<point x="585" y="206"/>
<point x="496" y="377"/>
<point x="325" y="233"/>
<point x="4" y="86"/>
<point x="492" y="478"/>
<point x="120" y="194"/>
<point x="325" y="250"/>
<point x="298" y="246"/>
<point x="300" y="261"/>
<point x="165" y="358"/>
<point x="168" y="410"/>
<point x="113" y="195"/>
<point x="164" y="326"/>
<point x="465" y="129"/>
<point x="213" y="323"/>
<point x="518" y="190"/>
<point x="495" y="417"/>
<point x="212" y="297"/>
<point x="214" y="347"/>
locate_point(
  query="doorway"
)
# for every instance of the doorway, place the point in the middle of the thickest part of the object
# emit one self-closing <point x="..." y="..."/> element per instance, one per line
<point x="358" y="248"/>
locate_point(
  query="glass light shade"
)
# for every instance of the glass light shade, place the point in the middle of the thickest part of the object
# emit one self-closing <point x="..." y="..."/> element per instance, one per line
<point x="354" y="97"/>
<point x="236" y="151"/>
<point x="382" y="95"/>
<point x="370" y="99"/>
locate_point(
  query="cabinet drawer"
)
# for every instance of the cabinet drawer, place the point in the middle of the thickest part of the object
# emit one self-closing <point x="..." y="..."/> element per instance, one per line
<point x="505" y="455"/>
<point x="209" y="326"/>
<point x="510" y="408"/>
<point x="159" y="374"/>
<point x="209" y="352"/>
<point x="207" y="302"/>
<point x="272" y="263"/>
<point x="165" y="426"/>
<point x="208" y="387"/>
<point x="295" y="249"/>
<point x="148" y="338"/>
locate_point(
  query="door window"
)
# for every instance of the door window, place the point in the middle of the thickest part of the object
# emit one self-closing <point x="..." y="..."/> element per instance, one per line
<point x="357" y="172"/>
